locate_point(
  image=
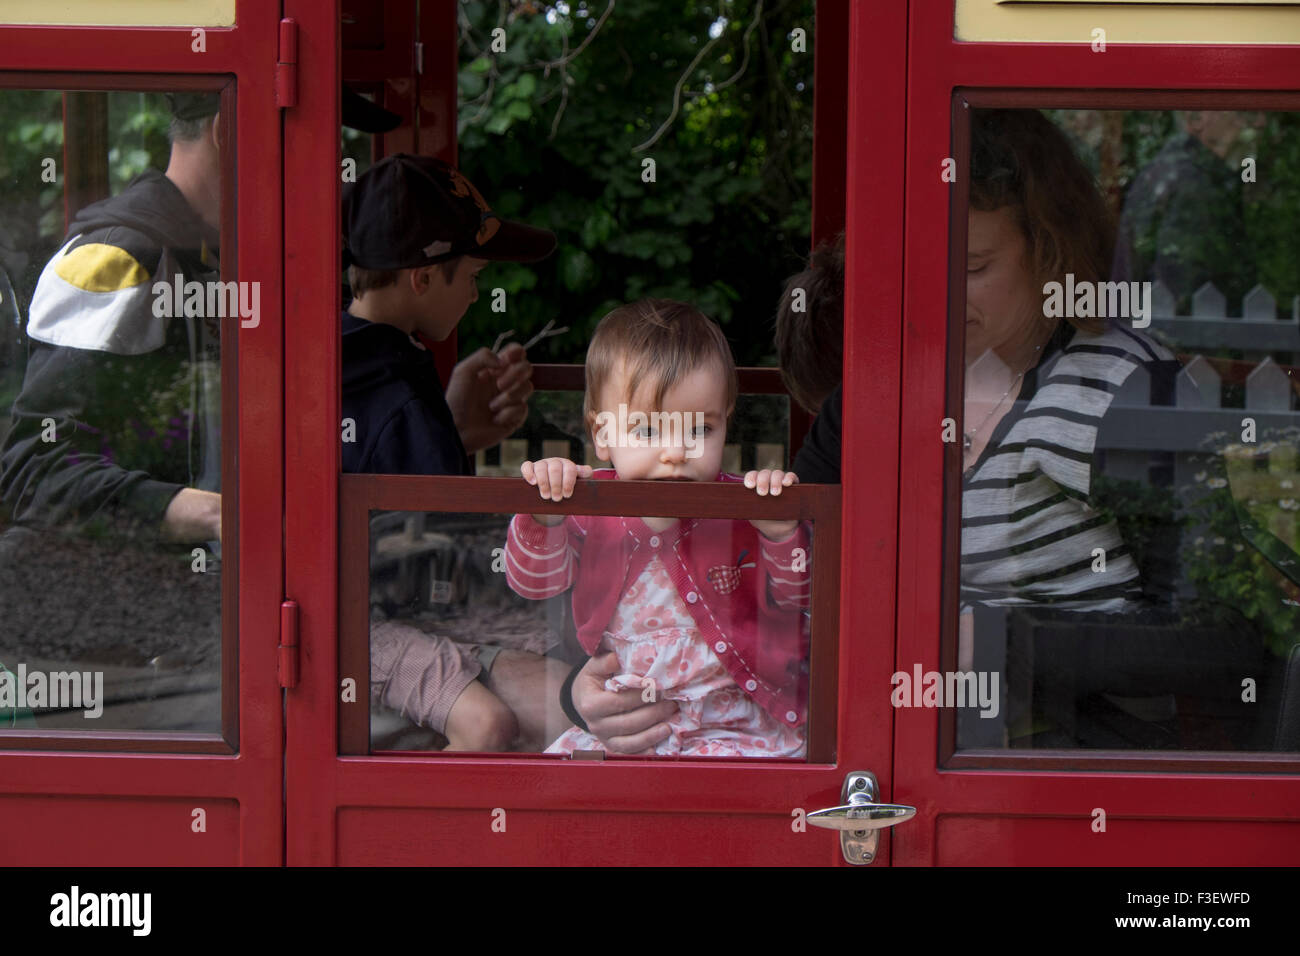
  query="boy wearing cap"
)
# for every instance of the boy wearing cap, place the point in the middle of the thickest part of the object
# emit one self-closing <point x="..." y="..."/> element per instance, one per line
<point x="417" y="234"/>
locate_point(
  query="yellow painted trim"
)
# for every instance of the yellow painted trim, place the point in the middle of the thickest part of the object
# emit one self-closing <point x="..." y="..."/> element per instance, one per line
<point x="1134" y="21"/>
<point x="1164" y="3"/>
<point x="99" y="267"/>
<point x="120" y="13"/>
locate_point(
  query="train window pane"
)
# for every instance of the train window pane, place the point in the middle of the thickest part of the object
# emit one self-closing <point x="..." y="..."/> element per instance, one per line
<point x="477" y="620"/>
<point x="111" y="341"/>
<point x="1130" y="495"/>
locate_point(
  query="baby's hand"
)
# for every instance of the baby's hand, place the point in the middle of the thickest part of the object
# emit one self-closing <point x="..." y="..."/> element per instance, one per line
<point x="554" y="477"/>
<point x="771" y="482"/>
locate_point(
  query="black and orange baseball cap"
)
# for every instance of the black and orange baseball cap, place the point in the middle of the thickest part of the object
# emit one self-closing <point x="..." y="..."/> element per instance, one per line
<point x="409" y="211"/>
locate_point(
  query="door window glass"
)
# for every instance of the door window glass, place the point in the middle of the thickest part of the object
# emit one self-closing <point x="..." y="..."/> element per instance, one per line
<point x="1129" y="429"/>
<point x="114" y="312"/>
<point x="653" y="230"/>
<point x="478" y="620"/>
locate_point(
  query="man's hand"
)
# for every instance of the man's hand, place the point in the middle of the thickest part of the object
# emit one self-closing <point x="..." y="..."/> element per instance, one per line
<point x="620" y="719"/>
<point x="193" y="515"/>
<point x="488" y="395"/>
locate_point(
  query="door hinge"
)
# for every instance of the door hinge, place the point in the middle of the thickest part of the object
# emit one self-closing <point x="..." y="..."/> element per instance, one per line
<point x="419" y="57"/>
<point x="288" y="663"/>
<point x="286" y="67"/>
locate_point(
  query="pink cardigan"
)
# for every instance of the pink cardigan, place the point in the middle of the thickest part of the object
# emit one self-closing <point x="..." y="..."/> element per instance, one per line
<point x="745" y="593"/>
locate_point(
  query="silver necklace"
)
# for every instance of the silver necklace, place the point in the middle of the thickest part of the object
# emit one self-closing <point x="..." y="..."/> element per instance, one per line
<point x="968" y="438"/>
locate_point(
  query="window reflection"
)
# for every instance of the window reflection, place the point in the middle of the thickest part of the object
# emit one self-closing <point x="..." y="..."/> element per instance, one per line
<point x="1130" y="429"/>
<point x="477" y="621"/>
<point x="110" y="468"/>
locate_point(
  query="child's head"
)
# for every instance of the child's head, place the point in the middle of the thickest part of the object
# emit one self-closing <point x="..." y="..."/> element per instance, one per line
<point x="661" y="384"/>
<point x="810" y="327"/>
<point x="432" y="299"/>
<point x="416" y="235"/>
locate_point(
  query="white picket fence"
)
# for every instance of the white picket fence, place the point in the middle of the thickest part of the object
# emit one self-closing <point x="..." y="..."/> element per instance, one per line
<point x="1135" y="427"/>
<point x="1157" y="444"/>
<point x="514" y="451"/>
<point x="1210" y="327"/>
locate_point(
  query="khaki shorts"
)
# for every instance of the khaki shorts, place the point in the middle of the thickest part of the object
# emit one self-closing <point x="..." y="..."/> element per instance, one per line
<point x="418" y="674"/>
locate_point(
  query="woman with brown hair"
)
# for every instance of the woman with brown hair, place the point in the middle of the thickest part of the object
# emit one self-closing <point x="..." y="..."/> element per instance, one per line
<point x="1038" y="385"/>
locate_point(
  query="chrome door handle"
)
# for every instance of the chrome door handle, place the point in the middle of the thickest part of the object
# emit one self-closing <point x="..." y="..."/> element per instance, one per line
<point x="857" y="816"/>
<point x="860" y="819"/>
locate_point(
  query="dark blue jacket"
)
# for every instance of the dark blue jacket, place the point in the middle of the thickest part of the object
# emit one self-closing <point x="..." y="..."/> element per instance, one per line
<point x="392" y="392"/>
<point x="818" y="460"/>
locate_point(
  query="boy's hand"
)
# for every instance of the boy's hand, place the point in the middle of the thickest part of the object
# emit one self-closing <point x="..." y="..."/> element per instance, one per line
<point x="554" y="478"/>
<point x="771" y="482"/>
<point x="514" y="382"/>
<point x="488" y="395"/>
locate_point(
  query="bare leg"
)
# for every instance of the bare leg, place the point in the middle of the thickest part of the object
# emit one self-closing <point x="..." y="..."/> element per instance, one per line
<point x="529" y="684"/>
<point x="480" y="721"/>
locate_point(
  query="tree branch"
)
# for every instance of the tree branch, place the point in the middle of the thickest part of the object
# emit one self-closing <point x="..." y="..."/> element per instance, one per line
<point x="677" y="95"/>
<point x="567" y="58"/>
<point x="564" y="79"/>
<point x="758" y="15"/>
<point x="487" y="97"/>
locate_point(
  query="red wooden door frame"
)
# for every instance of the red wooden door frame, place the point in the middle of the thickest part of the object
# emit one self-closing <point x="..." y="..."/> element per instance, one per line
<point x="113" y="808"/>
<point x="1039" y="816"/>
<point x="436" y="809"/>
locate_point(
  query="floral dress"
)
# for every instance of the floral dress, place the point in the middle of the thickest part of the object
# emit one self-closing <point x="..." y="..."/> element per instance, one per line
<point x="656" y="639"/>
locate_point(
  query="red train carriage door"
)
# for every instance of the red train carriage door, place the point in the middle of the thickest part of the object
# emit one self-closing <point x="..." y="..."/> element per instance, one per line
<point x="141" y="377"/>
<point x="1098" y="598"/>
<point x="365" y="787"/>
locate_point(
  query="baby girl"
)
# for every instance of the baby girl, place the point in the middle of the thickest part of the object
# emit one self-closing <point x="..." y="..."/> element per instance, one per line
<point x="707" y="612"/>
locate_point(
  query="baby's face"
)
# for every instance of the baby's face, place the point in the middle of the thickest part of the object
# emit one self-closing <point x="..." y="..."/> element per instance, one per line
<point x="682" y="441"/>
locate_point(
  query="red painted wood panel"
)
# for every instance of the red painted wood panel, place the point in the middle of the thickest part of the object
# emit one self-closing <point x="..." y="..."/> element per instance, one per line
<point x="545" y="837"/>
<point x="1127" y="841"/>
<point x="135" y="830"/>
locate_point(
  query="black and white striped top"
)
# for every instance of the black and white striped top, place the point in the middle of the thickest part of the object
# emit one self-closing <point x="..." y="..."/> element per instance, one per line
<point x="1028" y="530"/>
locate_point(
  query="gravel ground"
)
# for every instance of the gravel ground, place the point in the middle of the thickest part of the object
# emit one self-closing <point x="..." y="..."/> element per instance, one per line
<point x="152" y="624"/>
<point x="76" y="600"/>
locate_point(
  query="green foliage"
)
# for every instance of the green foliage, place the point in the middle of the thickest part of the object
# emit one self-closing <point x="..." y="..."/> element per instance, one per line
<point x="1148" y="519"/>
<point x="1236" y="236"/>
<point x="1230" y="574"/>
<point x="1273" y="206"/>
<point x="1199" y="531"/>
<point x="550" y="135"/>
<point x="31" y="130"/>
<point x="138" y="125"/>
<point x="1145" y="134"/>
